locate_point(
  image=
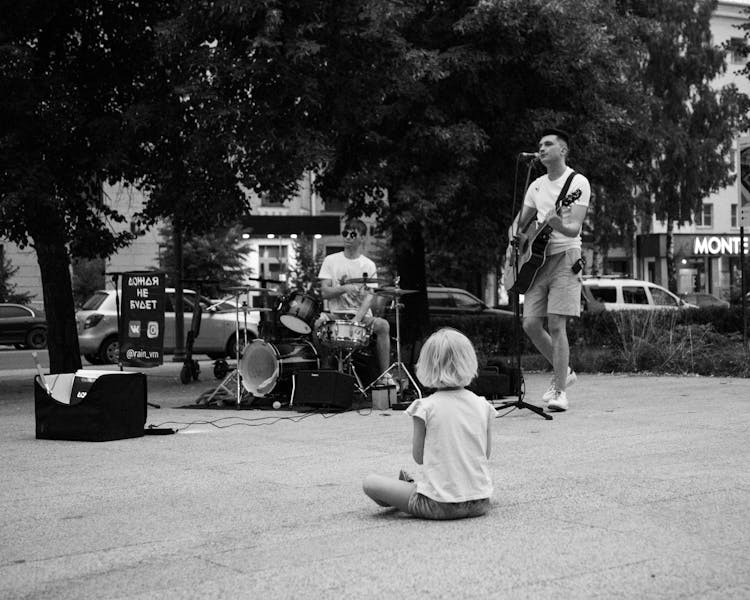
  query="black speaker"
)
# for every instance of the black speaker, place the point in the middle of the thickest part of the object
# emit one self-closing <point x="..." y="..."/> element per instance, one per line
<point x="98" y="408"/>
<point x="496" y="381"/>
<point x="323" y="389"/>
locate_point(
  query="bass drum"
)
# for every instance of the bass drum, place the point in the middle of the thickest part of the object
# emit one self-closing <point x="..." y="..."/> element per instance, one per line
<point x="268" y="367"/>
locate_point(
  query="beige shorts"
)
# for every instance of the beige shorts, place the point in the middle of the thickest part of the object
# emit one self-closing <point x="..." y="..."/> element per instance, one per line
<point x="556" y="289"/>
<point x="427" y="508"/>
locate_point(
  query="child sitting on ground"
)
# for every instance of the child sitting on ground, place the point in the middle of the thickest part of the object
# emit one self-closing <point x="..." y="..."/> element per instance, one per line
<point x="452" y="438"/>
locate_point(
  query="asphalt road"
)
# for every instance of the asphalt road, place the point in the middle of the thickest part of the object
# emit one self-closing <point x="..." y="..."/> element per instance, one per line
<point x="13" y="360"/>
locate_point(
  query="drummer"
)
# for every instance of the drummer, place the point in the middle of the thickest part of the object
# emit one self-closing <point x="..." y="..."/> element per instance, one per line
<point x="352" y="301"/>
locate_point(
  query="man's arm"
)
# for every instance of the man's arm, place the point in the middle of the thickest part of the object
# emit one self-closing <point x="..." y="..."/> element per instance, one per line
<point x="569" y="221"/>
<point x="527" y="214"/>
<point x="328" y="290"/>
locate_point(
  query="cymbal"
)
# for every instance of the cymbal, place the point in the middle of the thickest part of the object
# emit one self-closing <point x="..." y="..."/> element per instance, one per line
<point x="393" y="292"/>
<point x="245" y="288"/>
<point x="366" y="280"/>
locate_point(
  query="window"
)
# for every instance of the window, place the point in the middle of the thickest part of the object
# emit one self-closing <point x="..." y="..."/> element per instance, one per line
<point x="733" y="215"/>
<point x="333" y="249"/>
<point x="14" y="312"/>
<point x="737" y="51"/>
<point x="634" y="294"/>
<point x="337" y="206"/>
<point x="705" y="217"/>
<point x="604" y="294"/>
<point x="662" y="298"/>
<point x="272" y="260"/>
<point x="440" y="299"/>
<point x="95" y="301"/>
<point x="466" y="301"/>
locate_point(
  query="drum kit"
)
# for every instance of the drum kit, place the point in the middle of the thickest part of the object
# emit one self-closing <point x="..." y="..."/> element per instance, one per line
<point x="266" y="366"/>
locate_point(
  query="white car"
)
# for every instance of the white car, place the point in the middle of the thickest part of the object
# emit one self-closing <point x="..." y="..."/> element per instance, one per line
<point x="98" y="335"/>
<point x="612" y="293"/>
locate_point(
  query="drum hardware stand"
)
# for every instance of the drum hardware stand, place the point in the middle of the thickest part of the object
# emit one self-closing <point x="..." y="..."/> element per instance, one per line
<point x="235" y="373"/>
<point x="397" y="292"/>
<point x="346" y="365"/>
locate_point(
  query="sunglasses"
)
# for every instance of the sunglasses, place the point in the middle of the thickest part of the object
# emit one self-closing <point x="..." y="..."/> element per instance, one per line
<point x="349" y="234"/>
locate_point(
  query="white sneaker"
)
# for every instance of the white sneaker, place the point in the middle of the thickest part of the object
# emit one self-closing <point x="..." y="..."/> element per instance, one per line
<point x="552" y="389"/>
<point x="559" y="403"/>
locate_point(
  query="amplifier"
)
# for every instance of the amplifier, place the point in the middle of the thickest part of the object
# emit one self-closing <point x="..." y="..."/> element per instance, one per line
<point x="323" y="389"/>
<point x="492" y="382"/>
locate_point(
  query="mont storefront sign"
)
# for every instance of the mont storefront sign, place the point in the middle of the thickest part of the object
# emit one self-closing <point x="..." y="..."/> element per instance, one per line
<point x="142" y="319"/>
<point x="716" y="245"/>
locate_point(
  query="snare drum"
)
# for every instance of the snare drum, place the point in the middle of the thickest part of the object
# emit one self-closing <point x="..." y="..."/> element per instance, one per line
<point x="344" y="335"/>
<point x="298" y="312"/>
<point x="267" y="367"/>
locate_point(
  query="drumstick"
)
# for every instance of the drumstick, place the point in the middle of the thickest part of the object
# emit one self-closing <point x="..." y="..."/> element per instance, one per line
<point x="35" y="356"/>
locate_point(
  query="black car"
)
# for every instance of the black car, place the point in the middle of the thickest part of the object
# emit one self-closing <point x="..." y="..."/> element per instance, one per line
<point x="23" y="326"/>
<point x="456" y="301"/>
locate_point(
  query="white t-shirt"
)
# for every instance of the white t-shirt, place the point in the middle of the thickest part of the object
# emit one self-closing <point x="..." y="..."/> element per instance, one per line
<point x="542" y="195"/>
<point x="455" y="465"/>
<point x="339" y="269"/>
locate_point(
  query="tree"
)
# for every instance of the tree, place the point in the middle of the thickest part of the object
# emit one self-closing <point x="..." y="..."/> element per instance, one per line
<point x="88" y="277"/>
<point x="304" y="275"/>
<point x="7" y="289"/>
<point x="69" y="73"/>
<point x="461" y="88"/>
<point x="213" y="261"/>
<point x="692" y="125"/>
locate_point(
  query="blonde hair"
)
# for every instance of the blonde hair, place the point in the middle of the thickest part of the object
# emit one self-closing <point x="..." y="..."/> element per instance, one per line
<point x="447" y="360"/>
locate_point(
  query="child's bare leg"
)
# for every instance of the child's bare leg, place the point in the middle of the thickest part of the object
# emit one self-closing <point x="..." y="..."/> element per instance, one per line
<point x="387" y="491"/>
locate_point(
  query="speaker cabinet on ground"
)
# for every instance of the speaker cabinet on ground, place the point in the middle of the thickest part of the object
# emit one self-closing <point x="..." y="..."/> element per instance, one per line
<point x="90" y="407"/>
<point x="496" y="382"/>
<point x="323" y="389"/>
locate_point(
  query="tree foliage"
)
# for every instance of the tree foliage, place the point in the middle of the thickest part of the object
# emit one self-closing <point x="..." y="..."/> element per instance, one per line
<point x="213" y="261"/>
<point x="691" y="125"/>
<point x="69" y="72"/>
<point x="412" y="110"/>
<point x="8" y="291"/>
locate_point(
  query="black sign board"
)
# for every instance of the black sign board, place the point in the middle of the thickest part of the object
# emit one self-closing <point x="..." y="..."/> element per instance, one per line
<point x="142" y="319"/>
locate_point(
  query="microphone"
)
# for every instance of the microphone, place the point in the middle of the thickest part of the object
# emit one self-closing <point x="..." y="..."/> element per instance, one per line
<point x="528" y="154"/>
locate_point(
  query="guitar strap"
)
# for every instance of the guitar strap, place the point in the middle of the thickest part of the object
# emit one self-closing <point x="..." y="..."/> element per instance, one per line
<point x="564" y="190"/>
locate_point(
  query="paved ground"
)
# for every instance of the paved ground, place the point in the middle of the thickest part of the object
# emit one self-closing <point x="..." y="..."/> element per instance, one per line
<point x="641" y="490"/>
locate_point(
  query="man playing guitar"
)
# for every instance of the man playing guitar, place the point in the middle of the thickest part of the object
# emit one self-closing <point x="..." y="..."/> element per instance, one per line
<point x="555" y="291"/>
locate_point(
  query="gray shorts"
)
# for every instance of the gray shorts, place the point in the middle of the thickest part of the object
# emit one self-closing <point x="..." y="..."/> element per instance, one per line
<point x="556" y="289"/>
<point x="427" y="508"/>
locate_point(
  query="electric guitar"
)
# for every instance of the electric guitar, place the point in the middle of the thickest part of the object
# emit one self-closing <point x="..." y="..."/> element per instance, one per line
<point x="532" y="255"/>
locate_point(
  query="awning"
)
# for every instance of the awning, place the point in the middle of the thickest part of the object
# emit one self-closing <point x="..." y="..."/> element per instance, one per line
<point x="283" y="225"/>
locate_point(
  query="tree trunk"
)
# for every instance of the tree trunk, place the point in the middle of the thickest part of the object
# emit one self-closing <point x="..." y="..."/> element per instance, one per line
<point x="54" y="265"/>
<point x="671" y="271"/>
<point x="595" y="261"/>
<point x="179" y="307"/>
<point x="415" y="318"/>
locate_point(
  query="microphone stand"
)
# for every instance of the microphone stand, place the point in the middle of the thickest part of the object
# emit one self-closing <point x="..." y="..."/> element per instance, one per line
<point x="520" y="385"/>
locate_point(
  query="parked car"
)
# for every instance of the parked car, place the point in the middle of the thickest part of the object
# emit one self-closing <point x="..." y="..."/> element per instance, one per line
<point x="610" y="293"/>
<point x="455" y="301"/>
<point x="23" y="326"/>
<point x="703" y="299"/>
<point x="98" y="335"/>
